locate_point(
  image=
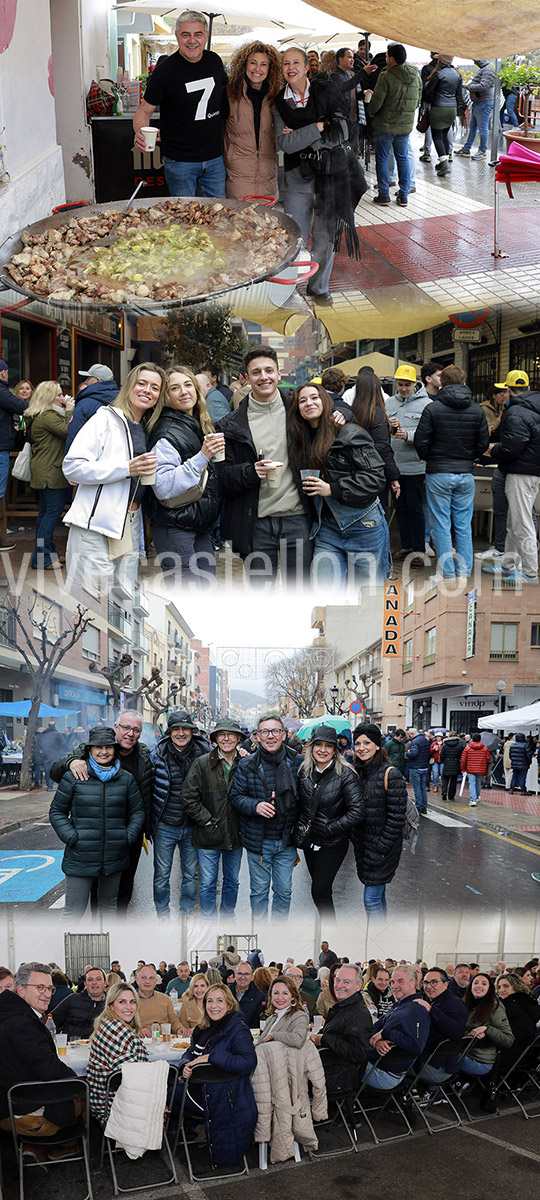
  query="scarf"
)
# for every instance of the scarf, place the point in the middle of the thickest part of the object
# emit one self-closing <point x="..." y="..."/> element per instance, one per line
<point x="279" y="778"/>
<point x="256" y="96"/>
<point x="338" y="190"/>
<point x="104" y="773"/>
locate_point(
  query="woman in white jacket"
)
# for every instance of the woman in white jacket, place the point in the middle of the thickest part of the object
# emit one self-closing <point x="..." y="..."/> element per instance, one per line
<point x="109" y="461"/>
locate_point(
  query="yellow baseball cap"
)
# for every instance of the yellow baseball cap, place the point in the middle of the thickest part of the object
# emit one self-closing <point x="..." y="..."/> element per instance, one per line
<point x="515" y="379"/>
<point x="406" y="372"/>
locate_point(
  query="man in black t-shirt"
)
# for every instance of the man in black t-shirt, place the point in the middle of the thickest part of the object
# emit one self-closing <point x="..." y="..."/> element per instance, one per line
<point x="189" y="88"/>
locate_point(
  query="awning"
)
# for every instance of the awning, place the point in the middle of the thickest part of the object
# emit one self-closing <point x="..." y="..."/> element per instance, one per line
<point x="516" y="720"/>
<point x="21" y="708"/>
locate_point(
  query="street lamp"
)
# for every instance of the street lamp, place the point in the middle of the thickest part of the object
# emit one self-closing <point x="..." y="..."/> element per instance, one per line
<point x="501" y="687"/>
<point x="334" y="692"/>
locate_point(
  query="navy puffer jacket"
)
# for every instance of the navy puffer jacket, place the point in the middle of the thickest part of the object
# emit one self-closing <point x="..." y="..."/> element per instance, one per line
<point x="230" y="1112"/>
<point x="520" y="753"/>
<point x="419" y="753"/>
<point x="97" y="821"/>
<point x="162" y="777"/>
<point x="91" y="399"/>
<point x="248" y="789"/>
<point x="378" y="842"/>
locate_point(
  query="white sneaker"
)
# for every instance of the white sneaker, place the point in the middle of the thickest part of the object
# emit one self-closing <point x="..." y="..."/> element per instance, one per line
<point x="473" y="803"/>
<point x="430" y="551"/>
<point x="492" y="554"/>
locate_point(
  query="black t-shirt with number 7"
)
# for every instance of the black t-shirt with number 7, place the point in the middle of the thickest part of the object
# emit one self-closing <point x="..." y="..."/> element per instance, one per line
<point x="192" y="102"/>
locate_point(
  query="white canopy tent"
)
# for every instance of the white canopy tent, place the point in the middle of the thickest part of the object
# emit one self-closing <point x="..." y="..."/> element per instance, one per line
<point x="516" y="720"/>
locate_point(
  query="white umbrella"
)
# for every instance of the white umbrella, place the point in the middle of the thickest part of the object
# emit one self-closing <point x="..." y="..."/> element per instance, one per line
<point x="295" y="14"/>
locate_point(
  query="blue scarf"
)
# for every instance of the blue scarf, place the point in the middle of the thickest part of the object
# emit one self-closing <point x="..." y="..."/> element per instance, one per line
<point x="104" y="773"/>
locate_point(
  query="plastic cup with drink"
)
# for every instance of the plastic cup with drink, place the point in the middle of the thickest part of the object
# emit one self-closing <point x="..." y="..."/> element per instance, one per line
<point x="61" y="1044"/>
<point x="166" y="1031"/>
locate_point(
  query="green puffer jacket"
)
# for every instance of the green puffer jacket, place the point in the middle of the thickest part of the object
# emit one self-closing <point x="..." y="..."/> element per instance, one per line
<point x="145" y="781"/>
<point x="204" y="798"/>
<point x="395" y="99"/>
<point x="48" y="433"/>
<point x="97" y="821"/>
<point x="498" y="1035"/>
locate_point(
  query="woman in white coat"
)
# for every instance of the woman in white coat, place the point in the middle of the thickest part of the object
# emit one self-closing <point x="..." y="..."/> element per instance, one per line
<point x="109" y="462"/>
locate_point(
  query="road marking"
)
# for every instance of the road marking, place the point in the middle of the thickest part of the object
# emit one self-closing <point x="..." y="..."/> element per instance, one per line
<point x="445" y="819"/>
<point x="509" y="841"/>
<point x="471" y="889"/>
<point x="488" y="1137"/>
<point x="18" y="879"/>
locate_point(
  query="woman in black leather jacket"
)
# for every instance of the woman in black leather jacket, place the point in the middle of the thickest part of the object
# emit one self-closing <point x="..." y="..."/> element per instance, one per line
<point x="443" y="90"/>
<point x="379" y="841"/>
<point x="329" y="794"/>
<point x="185" y="500"/>
<point x="350" y="530"/>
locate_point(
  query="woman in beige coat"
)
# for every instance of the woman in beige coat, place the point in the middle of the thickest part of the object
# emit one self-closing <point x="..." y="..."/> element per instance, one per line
<point x="287" y="1023"/>
<point x="250" y="149"/>
<point x="191" y="1008"/>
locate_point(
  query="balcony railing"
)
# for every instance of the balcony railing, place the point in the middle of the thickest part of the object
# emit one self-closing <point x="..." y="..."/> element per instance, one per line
<point x="503" y="655"/>
<point x="115" y="616"/>
<point x="407" y="664"/>
<point x="429" y="659"/>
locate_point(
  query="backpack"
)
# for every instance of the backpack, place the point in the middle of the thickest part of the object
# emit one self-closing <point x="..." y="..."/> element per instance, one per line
<point x="412" y="817"/>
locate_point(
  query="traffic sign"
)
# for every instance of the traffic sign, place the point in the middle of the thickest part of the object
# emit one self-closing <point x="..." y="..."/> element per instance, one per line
<point x="356" y="706"/>
<point x="27" y="875"/>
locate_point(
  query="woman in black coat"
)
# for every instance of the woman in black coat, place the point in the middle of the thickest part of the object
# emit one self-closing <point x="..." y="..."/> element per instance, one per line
<point x="98" y="819"/>
<point x="378" y="842"/>
<point x="523" y="1013"/>
<point x="450" y="759"/>
<point x="329" y="794"/>
<point x="185" y="501"/>
<point x="345" y="480"/>
<point x="369" y="412"/>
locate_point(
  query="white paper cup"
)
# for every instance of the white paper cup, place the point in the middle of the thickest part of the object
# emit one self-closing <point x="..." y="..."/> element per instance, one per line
<point x="150" y="133"/>
<point x="273" y="475"/>
<point x="219" y="456"/>
<point x="61" y="1043"/>
<point x="148" y="480"/>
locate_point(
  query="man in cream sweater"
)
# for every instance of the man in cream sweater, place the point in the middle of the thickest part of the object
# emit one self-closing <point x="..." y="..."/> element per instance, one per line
<point x="267" y="523"/>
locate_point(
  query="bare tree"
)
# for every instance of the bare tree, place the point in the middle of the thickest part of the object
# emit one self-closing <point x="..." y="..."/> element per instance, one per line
<point x="27" y="629"/>
<point x="119" y="677"/>
<point x="300" y="677"/>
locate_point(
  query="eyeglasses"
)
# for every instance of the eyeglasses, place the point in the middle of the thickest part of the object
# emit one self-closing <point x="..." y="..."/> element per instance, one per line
<point x="431" y="982"/>
<point x="297" y="978"/>
<point x="134" y="729"/>
<point x="270" y="733"/>
<point x="42" y="988"/>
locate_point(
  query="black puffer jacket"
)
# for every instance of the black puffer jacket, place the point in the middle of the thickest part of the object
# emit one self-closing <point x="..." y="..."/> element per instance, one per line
<point x="518" y="448"/>
<point x="339" y="803"/>
<point x="143" y="775"/>
<point x="241" y="483"/>
<point x="452" y="432"/>
<point x="378" y="842"/>
<point x="450" y="755"/>
<point x="10" y="406"/>
<point x="97" y="821"/>
<point x="523" y="1013"/>
<point x="184" y="433"/>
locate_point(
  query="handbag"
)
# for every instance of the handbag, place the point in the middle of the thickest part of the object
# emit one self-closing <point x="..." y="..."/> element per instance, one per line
<point x="99" y="101"/>
<point x="22" y="468"/>
<point x="422" y="123"/>
<point x="193" y="493"/>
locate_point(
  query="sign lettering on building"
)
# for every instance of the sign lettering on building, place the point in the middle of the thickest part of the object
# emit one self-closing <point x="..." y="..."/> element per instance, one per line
<point x="391" y="620"/>
<point x="472" y="604"/>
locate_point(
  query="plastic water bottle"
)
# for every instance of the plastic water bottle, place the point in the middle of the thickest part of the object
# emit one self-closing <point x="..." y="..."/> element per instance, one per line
<point x="52" y="1028"/>
<point x="156" y="1031"/>
<point x="174" y="997"/>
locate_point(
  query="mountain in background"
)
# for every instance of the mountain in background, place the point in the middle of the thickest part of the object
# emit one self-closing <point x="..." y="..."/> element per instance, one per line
<point x="246" y="699"/>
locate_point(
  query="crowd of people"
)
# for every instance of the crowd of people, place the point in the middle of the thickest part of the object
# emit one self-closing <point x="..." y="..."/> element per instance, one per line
<point x="446" y="758"/>
<point x="266" y="794"/>
<point x="291" y="1037"/>
<point x="298" y="482"/>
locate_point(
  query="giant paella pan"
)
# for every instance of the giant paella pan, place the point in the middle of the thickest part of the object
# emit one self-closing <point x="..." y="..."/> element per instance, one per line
<point x="165" y="254"/>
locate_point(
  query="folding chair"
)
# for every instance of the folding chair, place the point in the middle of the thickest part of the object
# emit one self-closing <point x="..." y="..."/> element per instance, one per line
<point x="32" y="1096"/>
<point x="445" y="1050"/>
<point x="473" y="1083"/>
<point x="205" y="1074"/>
<point x="343" y="1112"/>
<point x="530" y="1069"/>
<point x="379" y="1100"/>
<point x="113" y="1083"/>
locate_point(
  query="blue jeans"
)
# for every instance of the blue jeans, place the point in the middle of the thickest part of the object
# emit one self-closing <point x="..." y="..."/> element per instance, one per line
<point x="166" y="839"/>
<point x="184" y="178"/>
<point x="481" y="112"/>
<point x="437" y="772"/>
<point x="475" y="786"/>
<point x="381" y="1080"/>
<point x="471" y="1067"/>
<point x="361" y="550"/>
<point x="519" y="778"/>
<point x="209" y="867"/>
<point x="375" y="898"/>
<point x="433" y="1075"/>
<point x="451" y="500"/>
<point x="399" y="143"/>
<point x="4" y="471"/>
<point x="412" y="167"/>
<point x="274" y="865"/>
<point x="418" y="778"/>
<point x="51" y="507"/>
<point x="284" y="539"/>
<point x="510" y="107"/>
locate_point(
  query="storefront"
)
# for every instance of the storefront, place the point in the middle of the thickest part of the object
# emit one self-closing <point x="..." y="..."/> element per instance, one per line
<point x="89" y="705"/>
<point x="38" y="347"/>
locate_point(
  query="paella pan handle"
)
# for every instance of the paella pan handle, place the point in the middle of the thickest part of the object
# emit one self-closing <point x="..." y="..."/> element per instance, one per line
<point x="310" y="262"/>
<point x="270" y="200"/>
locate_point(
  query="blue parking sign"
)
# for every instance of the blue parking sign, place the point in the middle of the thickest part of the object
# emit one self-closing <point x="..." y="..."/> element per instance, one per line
<point x="27" y="875"/>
